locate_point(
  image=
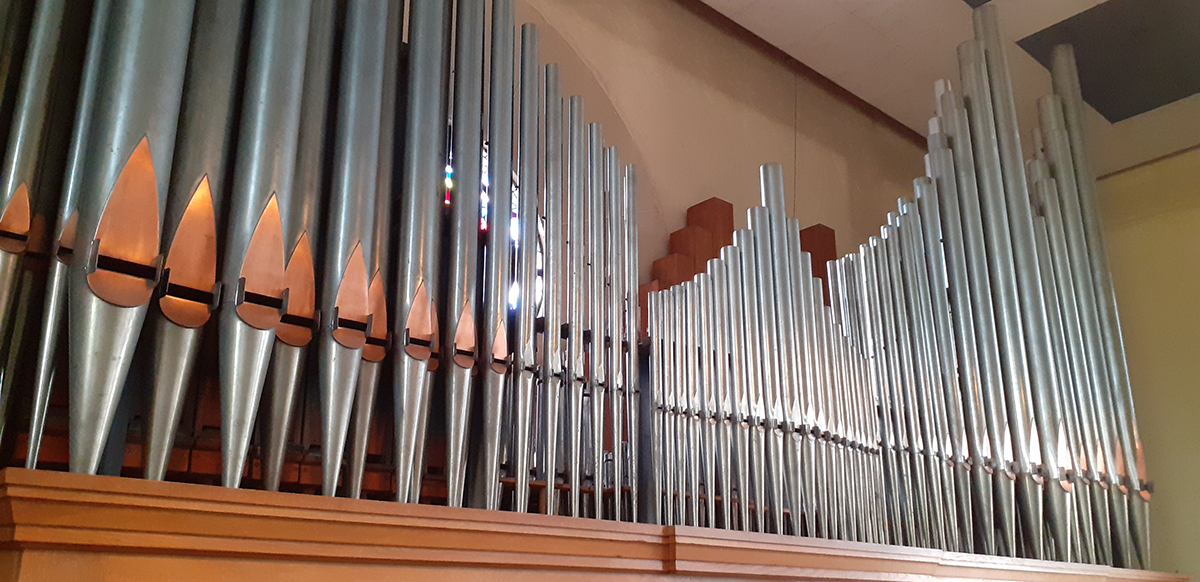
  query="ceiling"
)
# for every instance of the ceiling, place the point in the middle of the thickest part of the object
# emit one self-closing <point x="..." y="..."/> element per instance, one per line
<point x="1137" y="59"/>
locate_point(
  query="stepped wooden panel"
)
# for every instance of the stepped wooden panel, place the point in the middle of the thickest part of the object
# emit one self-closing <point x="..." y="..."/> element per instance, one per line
<point x="696" y="242"/>
<point x="78" y="528"/>
<point x="673" y="269"/>
<point x="715" y="216"/>
<point x="818" y="240"/>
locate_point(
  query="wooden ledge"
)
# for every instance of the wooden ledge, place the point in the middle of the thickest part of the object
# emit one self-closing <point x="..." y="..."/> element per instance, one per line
<point x="60" y="526"/>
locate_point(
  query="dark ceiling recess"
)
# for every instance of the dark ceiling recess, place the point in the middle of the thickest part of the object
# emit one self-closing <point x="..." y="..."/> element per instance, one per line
<point x="976" y="3"/>
<point x="1133" y="55"/>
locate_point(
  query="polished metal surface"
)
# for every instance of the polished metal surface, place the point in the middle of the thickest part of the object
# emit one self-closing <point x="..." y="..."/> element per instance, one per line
<point x="204" y="137"/>
<point x="459" y="340"/>
<point x="262" y="181"/>
<point x="145" y="47"/>
<point x="422" y="178"/>
<point x="302" y="232"/>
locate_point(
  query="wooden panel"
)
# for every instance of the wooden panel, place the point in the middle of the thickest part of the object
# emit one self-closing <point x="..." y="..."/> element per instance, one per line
<point x="818" y="240"/>
<point x="61" y="526"/>
<point x="696" y="242"/>
<point x="715" y="216"/>
<point x="673" y="269"/>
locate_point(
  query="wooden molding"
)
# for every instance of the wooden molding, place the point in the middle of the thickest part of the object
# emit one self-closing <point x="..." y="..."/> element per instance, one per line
<point x="61" y="526"/>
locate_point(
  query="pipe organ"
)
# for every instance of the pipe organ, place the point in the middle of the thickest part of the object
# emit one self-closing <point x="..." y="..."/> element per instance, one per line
<point x="963" y="389"/>
<point x="295" y="197"/>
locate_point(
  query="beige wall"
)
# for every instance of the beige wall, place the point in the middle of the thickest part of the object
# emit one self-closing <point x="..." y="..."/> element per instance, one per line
<point x="1152" y="222"/>
<point x="699" y="109"/>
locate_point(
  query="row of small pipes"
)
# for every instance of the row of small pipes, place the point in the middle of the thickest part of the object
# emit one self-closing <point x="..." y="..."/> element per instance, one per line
<point x="963" y="386"/>
<point x="295" y="172"/>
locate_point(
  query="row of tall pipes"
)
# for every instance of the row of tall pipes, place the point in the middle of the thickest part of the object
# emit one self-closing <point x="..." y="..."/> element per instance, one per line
<point x="957" y="383"/>
<point x="323" y="191"/>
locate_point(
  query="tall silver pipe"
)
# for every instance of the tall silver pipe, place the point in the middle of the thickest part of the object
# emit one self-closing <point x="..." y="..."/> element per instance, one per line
<point x="19" y="191"/>
<point x="706" y="386"/>
<point x="904" y="386"/>
<point x="525" y="364"/>
<point x="1042" y="191"/>
<point x="658" y="451"/>
<point x="721" y="329"/>
<point x="923" y="353"/>
<point x="597" y="255"/>
<point x="760" y="376"/>
<point x="958" y="128"/>
<point x="734" y="329"/>
<point x="380" y="268"/>
<point x="27" y="201"/>
<point x="421" y="197"/>
<point x="1043" y="383"/>
<point x="121" y="204"/>
<point x="1070" y="351"/>
<point x="806" y="506"/>
<point x="194" y="201"/>
<point x="301" y="236"/>
<point x="1065" y="78"/>
<point x="64" y="237"/>
<point x="459" y="349"/>
<point x="942" y="208"/>
<point x="674" y="466"/>
<point x="555" y="275"/>
<point x="618" y="381"/>
<point x="1002" y="270"/>
<point x="345" y="307"/>
<point x="575" y="373"/>
<point x="252" y="280"/>
<point x="494" y="349"/>
<point x="928" y="202"/>
<point x="893" y="437"/>
<point x="633" y="377"/>
<point x="791" y="392"/>
<point x="1078" y="314"/>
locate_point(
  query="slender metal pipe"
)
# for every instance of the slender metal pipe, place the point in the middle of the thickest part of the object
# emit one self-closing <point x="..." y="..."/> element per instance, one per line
<point x="1042" y="380"/>
<point x="740" y="372"/>
<point x="555" y="275"/>
<point x="194" y="201"/>
<point x="56" y="281"/>
<point x="137" y="106"/>
<point x="421" y="197"/>
<point x="720" y="331"/>
<point x="524" y="350"/>
<point x="1091" y="250"/>
<point x="24" y="159"/>
<point x="632" y="339"/>
<point x="1076" y="305"/>
<point x="380" y="267"/>
<point x="1002" y="270"/>
<point x="920" y="328"/>
<point x="28" y="183"/>
<point x="301" y="235"/>
<point x="617" y="373"/>
<point x="460" y="352"/>
<point x="597" y="255"/>
<point x="958" y="128"/>
<point x="345" y="306"/>
<point x="656" y="494"/>
<point x="575" y="373"/>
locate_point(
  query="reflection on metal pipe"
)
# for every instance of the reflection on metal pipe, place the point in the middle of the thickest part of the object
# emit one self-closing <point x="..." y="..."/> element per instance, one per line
<point x="302" y="234"/>
<point x="122" y="198"/>
<point x="194" y="201"/>
<point x="254" y="296"/>
<point x="422" y="192"/>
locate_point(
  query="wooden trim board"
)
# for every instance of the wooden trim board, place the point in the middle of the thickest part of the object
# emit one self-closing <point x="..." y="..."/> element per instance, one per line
<point x="61" y="526"/>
